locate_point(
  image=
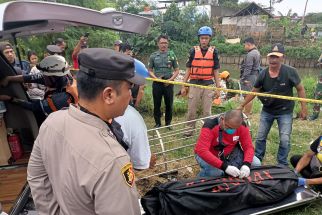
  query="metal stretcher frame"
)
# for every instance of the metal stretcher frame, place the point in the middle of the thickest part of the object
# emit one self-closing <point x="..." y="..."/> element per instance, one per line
<point x="301" y="196"/>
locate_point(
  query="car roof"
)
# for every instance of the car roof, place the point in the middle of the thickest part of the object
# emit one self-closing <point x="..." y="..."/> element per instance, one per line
<point x="25" y="18"/>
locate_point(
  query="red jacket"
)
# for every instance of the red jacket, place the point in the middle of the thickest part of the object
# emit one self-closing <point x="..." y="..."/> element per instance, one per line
<point x="209" y="138"/>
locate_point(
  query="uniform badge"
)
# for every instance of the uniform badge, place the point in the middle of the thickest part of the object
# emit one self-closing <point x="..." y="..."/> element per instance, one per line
<point x="128" y="174"/>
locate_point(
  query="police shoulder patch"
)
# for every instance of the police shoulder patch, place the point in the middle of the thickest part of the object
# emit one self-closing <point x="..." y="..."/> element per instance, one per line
<point x="128" y="174"/>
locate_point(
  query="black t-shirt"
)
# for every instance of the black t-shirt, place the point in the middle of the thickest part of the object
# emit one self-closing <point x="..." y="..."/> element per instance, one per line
<point x="281" y="85"/>
<point x="315" y="145"/>
<point x="216" y="64"/>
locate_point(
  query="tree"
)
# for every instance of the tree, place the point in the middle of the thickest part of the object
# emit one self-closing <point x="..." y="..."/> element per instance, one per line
<point x="314" y="18"/>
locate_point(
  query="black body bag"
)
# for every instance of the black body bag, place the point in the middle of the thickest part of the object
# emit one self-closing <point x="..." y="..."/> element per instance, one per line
<point x="223" y="195"/>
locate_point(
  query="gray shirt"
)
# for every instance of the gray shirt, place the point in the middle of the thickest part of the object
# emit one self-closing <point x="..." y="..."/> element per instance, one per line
<point x="250" y="65"/>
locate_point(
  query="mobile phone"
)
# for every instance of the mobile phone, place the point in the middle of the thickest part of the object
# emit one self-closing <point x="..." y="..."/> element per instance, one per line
<point x="86" y="34"/>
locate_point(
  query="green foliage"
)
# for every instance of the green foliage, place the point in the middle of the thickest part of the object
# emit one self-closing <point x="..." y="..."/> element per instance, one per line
<point x="292" y="29"/>
<point x="314" y="18"/>
<point x="229" y="49"/>
<point x="296" y="52"/>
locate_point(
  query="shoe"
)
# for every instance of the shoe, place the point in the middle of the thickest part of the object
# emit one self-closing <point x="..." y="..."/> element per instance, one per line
<point x="170" y="127"/>
<point x="313" y="117"/>
<point x="157" y="126"/>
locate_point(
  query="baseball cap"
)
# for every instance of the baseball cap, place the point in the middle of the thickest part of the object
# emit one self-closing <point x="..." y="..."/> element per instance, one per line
<point x="277" y="50"/>
<point x="108" y="64"/>
<point x="224" y="74"/>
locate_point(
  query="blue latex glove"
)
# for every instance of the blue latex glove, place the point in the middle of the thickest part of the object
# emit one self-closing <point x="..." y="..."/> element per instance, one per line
<point x="301" y="182"/>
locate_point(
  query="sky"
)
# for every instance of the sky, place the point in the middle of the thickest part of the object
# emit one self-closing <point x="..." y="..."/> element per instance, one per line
<point x="297" y="6"/>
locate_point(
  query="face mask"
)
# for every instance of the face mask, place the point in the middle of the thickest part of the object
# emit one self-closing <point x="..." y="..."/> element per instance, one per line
<point x="230" y="130"/>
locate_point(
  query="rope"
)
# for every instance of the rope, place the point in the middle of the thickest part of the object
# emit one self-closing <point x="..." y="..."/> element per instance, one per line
<point x="238" y="91"/>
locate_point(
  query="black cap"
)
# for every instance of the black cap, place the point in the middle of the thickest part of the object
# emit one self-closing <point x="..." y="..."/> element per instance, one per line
<point x="108" y="64"/>
<point x="277" y="50"/>
<point x="249" y="40"/>
<point x="53" y="49"/>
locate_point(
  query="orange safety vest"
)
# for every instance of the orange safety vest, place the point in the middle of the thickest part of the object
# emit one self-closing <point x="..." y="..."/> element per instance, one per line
<point x="70" y="89"/>
<point x="202" y="67"/>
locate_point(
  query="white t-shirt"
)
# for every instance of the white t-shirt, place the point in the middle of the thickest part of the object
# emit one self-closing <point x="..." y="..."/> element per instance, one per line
<point x="136" y="137"/>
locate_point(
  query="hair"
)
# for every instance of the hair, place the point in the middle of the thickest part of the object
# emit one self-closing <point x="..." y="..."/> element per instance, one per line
<point x="59" y="41"/>
<point x="233" y="115"/>
<point x="4" y="45"/>
<point x="125" y="47"/>
<point x="249" y="40"/>
<point x="89" y="87"/>
<point x="30" y="53"/>
<point x="162" y="36"/>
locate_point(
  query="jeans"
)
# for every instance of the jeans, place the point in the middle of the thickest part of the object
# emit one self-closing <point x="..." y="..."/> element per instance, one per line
<point x="284" y="123"/>
<point x="206" y="170"/>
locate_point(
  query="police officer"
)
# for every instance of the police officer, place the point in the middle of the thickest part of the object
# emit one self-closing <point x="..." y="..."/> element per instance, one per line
<point x="162" y="63"/>
<point x="77" y="166"/>
<point x="202" y="69"/>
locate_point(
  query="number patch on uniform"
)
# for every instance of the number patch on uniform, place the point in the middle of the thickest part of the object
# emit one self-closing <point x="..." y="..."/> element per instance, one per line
<point x="128" y="174"/>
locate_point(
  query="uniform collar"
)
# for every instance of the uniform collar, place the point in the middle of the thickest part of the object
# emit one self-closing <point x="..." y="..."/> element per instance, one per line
<point x="86" y="117"/>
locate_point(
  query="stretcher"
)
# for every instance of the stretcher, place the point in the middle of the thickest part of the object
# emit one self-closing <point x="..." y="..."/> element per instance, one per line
<point x="301" y="196"/>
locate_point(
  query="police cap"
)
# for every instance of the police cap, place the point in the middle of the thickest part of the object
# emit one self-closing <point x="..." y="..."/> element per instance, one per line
<point x="107" y="64"/>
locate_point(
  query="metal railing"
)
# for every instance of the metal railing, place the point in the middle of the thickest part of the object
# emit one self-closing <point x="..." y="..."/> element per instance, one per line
<point x="173" y="148"/>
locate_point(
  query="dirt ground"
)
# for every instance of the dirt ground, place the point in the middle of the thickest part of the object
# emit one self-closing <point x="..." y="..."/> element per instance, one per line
<point x="146" y="184"/>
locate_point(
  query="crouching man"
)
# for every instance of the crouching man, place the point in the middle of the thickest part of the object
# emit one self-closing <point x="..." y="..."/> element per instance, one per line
<point x="310" y="165"/>
<point x="225" y="146"/>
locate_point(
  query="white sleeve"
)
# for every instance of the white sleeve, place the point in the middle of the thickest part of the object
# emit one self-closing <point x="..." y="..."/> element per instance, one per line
<point x="139" y="149"/>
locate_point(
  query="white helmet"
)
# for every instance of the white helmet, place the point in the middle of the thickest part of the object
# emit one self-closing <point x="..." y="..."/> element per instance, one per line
<point x="54" y="65"/>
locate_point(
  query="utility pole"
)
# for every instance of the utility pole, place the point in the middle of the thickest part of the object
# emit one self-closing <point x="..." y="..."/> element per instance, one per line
<point x="304" y="13"/>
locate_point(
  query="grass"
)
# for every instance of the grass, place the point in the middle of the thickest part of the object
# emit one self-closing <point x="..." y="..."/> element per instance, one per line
<point x="303" y="133"/>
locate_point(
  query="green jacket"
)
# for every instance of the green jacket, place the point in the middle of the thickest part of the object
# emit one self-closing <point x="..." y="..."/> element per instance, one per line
<point x="163" y="63"/>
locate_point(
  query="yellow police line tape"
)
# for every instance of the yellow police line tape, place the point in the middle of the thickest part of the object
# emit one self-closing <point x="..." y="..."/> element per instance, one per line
<point x="237" y="91"/>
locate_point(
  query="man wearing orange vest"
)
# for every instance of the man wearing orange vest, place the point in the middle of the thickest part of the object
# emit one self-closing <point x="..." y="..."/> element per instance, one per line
<point x="202" y="69"/>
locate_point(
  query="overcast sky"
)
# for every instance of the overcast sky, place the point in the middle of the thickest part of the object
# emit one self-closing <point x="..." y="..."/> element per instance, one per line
<point x="297" y="6"/>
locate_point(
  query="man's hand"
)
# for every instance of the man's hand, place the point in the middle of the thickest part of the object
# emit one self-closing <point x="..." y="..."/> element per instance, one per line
<point x="153" y="161"/>
<point x="183" y="91"/>
<point x="217" y="94"/>
<point x="301" y="182"/>
<point x="244" y="171"/>
<point x="233" y="171"/>
<point x="5" y="98"/>
<point x="303" y="113"/>
<point x="4" y="82"/>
